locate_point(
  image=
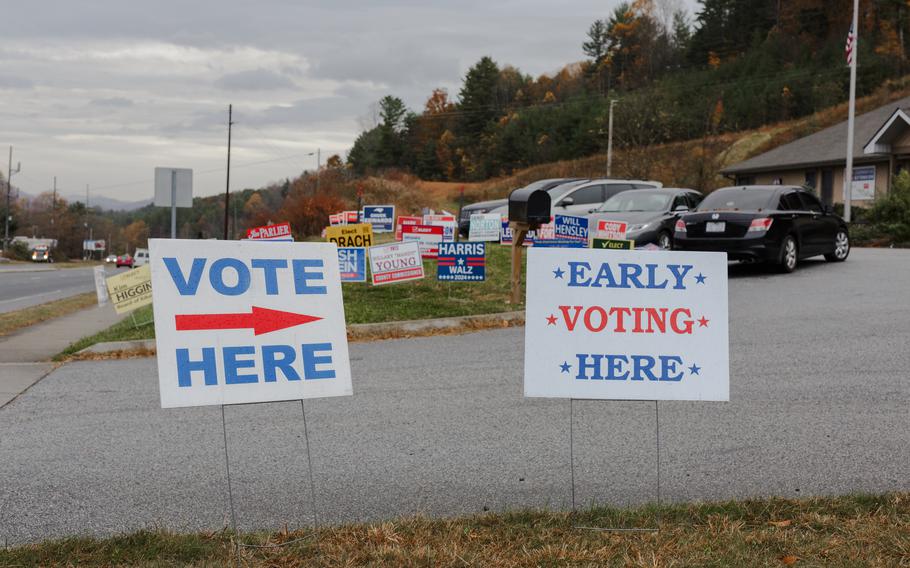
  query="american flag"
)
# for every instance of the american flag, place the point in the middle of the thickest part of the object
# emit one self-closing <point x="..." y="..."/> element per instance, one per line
<point x="851" y="45"/>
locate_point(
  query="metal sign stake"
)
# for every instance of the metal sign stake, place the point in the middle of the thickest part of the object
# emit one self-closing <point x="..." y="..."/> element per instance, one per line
<point x="309" y="461"/>
<point x="227" y="469"/>
<point x="655" y="528"/>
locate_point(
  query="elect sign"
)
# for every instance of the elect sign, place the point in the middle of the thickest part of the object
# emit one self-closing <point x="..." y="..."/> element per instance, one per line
<point x="248" y="321"/>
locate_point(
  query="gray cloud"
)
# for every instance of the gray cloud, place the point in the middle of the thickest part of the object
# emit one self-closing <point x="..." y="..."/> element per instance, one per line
<point x="112" y="102"/>
<point x="11" y="82"/>
<point x="254" y="80"/>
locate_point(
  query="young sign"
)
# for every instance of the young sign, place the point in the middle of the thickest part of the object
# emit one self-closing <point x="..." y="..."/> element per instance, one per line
<point x="279" y="232"/>
<point x="405" y="221"/>
<point x="381" y="217"/>
<point x="348" y="236"/>
<point x="626" y="325"/>
<point x="239" y="322"/>
<point x="352" y="262"/>
<point x="461" y="262"/>
<point x="484" y="227"/>
<point x="395" y="262"/>
<point x="427" y="236"/>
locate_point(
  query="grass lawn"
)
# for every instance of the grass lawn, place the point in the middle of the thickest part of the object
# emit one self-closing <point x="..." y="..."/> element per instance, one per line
<point x="841" y="531"/>
<point x="16" y="320"/>
<point x="365" y="303"/>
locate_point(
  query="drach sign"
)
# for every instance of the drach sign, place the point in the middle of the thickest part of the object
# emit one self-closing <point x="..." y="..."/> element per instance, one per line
<point x="248" y="321"/>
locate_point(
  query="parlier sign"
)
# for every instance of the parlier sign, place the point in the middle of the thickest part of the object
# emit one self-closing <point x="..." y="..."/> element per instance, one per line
<point x="246" y="321"/>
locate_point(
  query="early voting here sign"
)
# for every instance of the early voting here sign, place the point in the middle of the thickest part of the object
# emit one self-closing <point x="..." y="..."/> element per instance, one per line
<point x="626" y="325"/>
<point x="247" y="321"/>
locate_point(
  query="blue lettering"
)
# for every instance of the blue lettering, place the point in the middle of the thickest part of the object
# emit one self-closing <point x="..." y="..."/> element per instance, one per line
<point x="216" y="277"/>
<point x="185" y="367"/>
<point x="584" y="366"/>
<point x="668" y="364"/>
<point x="605" y="274"/>
<point x="270" y="268"/>
<point x="302" y="276"/>
<point x="615" y="367"/>
<point x="630" y="273"/>
<point x="652" y="278"/>
<point x="643" y="367"/>
<point x="186" y="286"/>
<point x="679" y="272"/>
<point x="271" y="363"/>
<point x="310" y="360"/>
<point x="576" y="271"/>
<point x="232" y="365"/>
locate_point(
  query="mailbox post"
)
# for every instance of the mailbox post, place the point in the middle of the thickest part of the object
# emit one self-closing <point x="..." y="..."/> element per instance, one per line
<point x="528" y="209"/>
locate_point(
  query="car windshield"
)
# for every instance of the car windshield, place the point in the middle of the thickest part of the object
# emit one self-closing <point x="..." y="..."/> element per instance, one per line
<point x="735" y="199"/>
<point x="628" y="201"/>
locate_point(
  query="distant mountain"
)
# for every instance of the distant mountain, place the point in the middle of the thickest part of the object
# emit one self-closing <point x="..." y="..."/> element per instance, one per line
<point x="105" y="203"/>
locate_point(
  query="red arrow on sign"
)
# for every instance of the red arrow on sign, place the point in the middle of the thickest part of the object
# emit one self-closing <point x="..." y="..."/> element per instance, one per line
<point x="260" y="320"/>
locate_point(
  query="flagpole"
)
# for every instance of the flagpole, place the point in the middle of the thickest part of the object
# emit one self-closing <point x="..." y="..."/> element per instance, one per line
<point x="848" y="171"/>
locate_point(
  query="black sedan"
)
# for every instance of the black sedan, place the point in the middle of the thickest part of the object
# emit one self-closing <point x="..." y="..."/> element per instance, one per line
<point x="774" y="224"/>
<point x="649" y="214"/>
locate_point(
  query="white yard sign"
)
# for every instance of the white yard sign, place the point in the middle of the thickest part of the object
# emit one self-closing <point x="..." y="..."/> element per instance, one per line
<point x="485" y="227"/>
<point x="626" y="325"/>
<point x="245" y="321"/>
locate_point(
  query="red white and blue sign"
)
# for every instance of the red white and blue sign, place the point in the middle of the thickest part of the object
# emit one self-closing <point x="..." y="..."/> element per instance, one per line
<point x="462" y="262"/>
<point x="626" y="325"/>
<point x="352" y="263"/>
<point x="382" y="217"/>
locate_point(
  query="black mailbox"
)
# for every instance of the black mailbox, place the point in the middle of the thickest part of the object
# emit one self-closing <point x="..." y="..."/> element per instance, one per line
<point x="531" y="206"/>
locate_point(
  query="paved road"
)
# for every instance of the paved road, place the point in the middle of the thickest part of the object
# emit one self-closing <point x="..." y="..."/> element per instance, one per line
<point x="820" y="404"/>
<point x="23" y="289"/>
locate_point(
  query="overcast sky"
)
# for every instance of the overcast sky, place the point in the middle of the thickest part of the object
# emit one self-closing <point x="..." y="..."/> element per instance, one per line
<point x="100" y="92"/>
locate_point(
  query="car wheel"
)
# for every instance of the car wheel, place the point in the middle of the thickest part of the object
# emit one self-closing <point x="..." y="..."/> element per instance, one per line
<point x="664" y="241"/>
<point x="841" y="247"/>
<point x="789" y="255"/>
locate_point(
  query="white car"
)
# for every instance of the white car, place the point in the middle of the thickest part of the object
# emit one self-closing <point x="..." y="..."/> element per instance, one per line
<point x="581" y="197"/>
<point x="141" y="257"/>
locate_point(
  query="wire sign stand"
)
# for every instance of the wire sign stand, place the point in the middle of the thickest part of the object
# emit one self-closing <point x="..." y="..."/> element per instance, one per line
<point x="655" y="528"/>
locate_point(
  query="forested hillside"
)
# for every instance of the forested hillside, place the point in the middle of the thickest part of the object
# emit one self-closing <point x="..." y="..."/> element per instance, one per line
<point x="734" y="65"/>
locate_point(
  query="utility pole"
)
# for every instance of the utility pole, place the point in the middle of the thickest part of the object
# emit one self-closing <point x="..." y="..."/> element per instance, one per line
<point x="9" y="187"/>
<point x="848" y="171"/>
<point x="54" y="210"/>
<point x="610" y="140"/>
<point x="85" y="222"/>
<point x="318" y="166"/>
<point x="227" y="189"/>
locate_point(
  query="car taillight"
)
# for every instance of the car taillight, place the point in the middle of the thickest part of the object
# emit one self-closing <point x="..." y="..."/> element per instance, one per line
<point x="760" y="225"/>
<point x="680" y="226"/>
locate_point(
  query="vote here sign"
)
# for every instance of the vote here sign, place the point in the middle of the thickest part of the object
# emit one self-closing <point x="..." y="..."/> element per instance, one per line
<point x="627" y="325"/>
<point x="247" y="321"/>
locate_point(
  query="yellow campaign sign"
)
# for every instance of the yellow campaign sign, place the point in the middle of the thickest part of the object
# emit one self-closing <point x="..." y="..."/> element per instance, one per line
<point x="131" y="289"/>
<point x="350" y="236"/>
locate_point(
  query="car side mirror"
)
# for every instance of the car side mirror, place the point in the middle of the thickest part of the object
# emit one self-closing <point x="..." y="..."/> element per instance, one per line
<point x="566" y="202"/>
<point x="680" y="209"/>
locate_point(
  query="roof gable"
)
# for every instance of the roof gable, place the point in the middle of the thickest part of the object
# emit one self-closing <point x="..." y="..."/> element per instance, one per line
<point x="896" y="126"/>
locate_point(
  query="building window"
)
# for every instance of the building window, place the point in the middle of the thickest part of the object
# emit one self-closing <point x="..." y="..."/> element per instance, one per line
<point x="811" y="178"/>
<point x="745" y="180"/>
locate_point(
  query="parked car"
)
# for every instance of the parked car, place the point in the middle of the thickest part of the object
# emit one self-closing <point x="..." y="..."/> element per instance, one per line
<point x="110" y="259"/>
<point x="650" y="214"/>
<point x="141" y="257"/>
<point x="773" y="224"/>
<point x="583" y="198"/>
<point x="124" y="260"/>
<point x="501" y="205"/>
<point x="41" y="254"/>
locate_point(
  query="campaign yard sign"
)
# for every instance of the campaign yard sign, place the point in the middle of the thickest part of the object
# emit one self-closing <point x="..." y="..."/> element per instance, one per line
<point x="348" y="236"/>
<point x="244" y="321"/>
<point x="336" y="219"/>
<point x="449" y="224"/>
<point x="484" y="227"/>
<point x="381" y="217"/>
<point x="428" y="236"/>
<point x="351" y="217"/>
<point x="395" y="262"/>
<point x="612" y="244"/>
<point x="626" y="325"/>
<point x="461" y="262"/>
<point x="615" y="230"/>
<point x="278" y="232"/>
<point x="404" y="221"/>
<point x="352" y="262"/>
<point x="506" y="237"/>
<point x="571" y="231"/>
<point x="130" y="290"/>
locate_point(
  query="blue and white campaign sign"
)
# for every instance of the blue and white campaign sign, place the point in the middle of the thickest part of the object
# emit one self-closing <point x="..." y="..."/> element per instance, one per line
<point x="626" y="325"/>
<point x="571" y="231"/>
<point x="352" y="262"/>
<point x="382" y="217"/>
<point x="484" y="227"/>
<point x="462" y="262"/>
<point x="247" y="321"/>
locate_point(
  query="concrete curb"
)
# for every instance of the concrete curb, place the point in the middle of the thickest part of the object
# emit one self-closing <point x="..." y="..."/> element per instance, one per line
<point x="4" y="270"/>
<point x="363" y="331"/>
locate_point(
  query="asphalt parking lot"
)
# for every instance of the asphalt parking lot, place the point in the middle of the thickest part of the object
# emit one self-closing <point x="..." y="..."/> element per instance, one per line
<point x="820" y="404"/>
